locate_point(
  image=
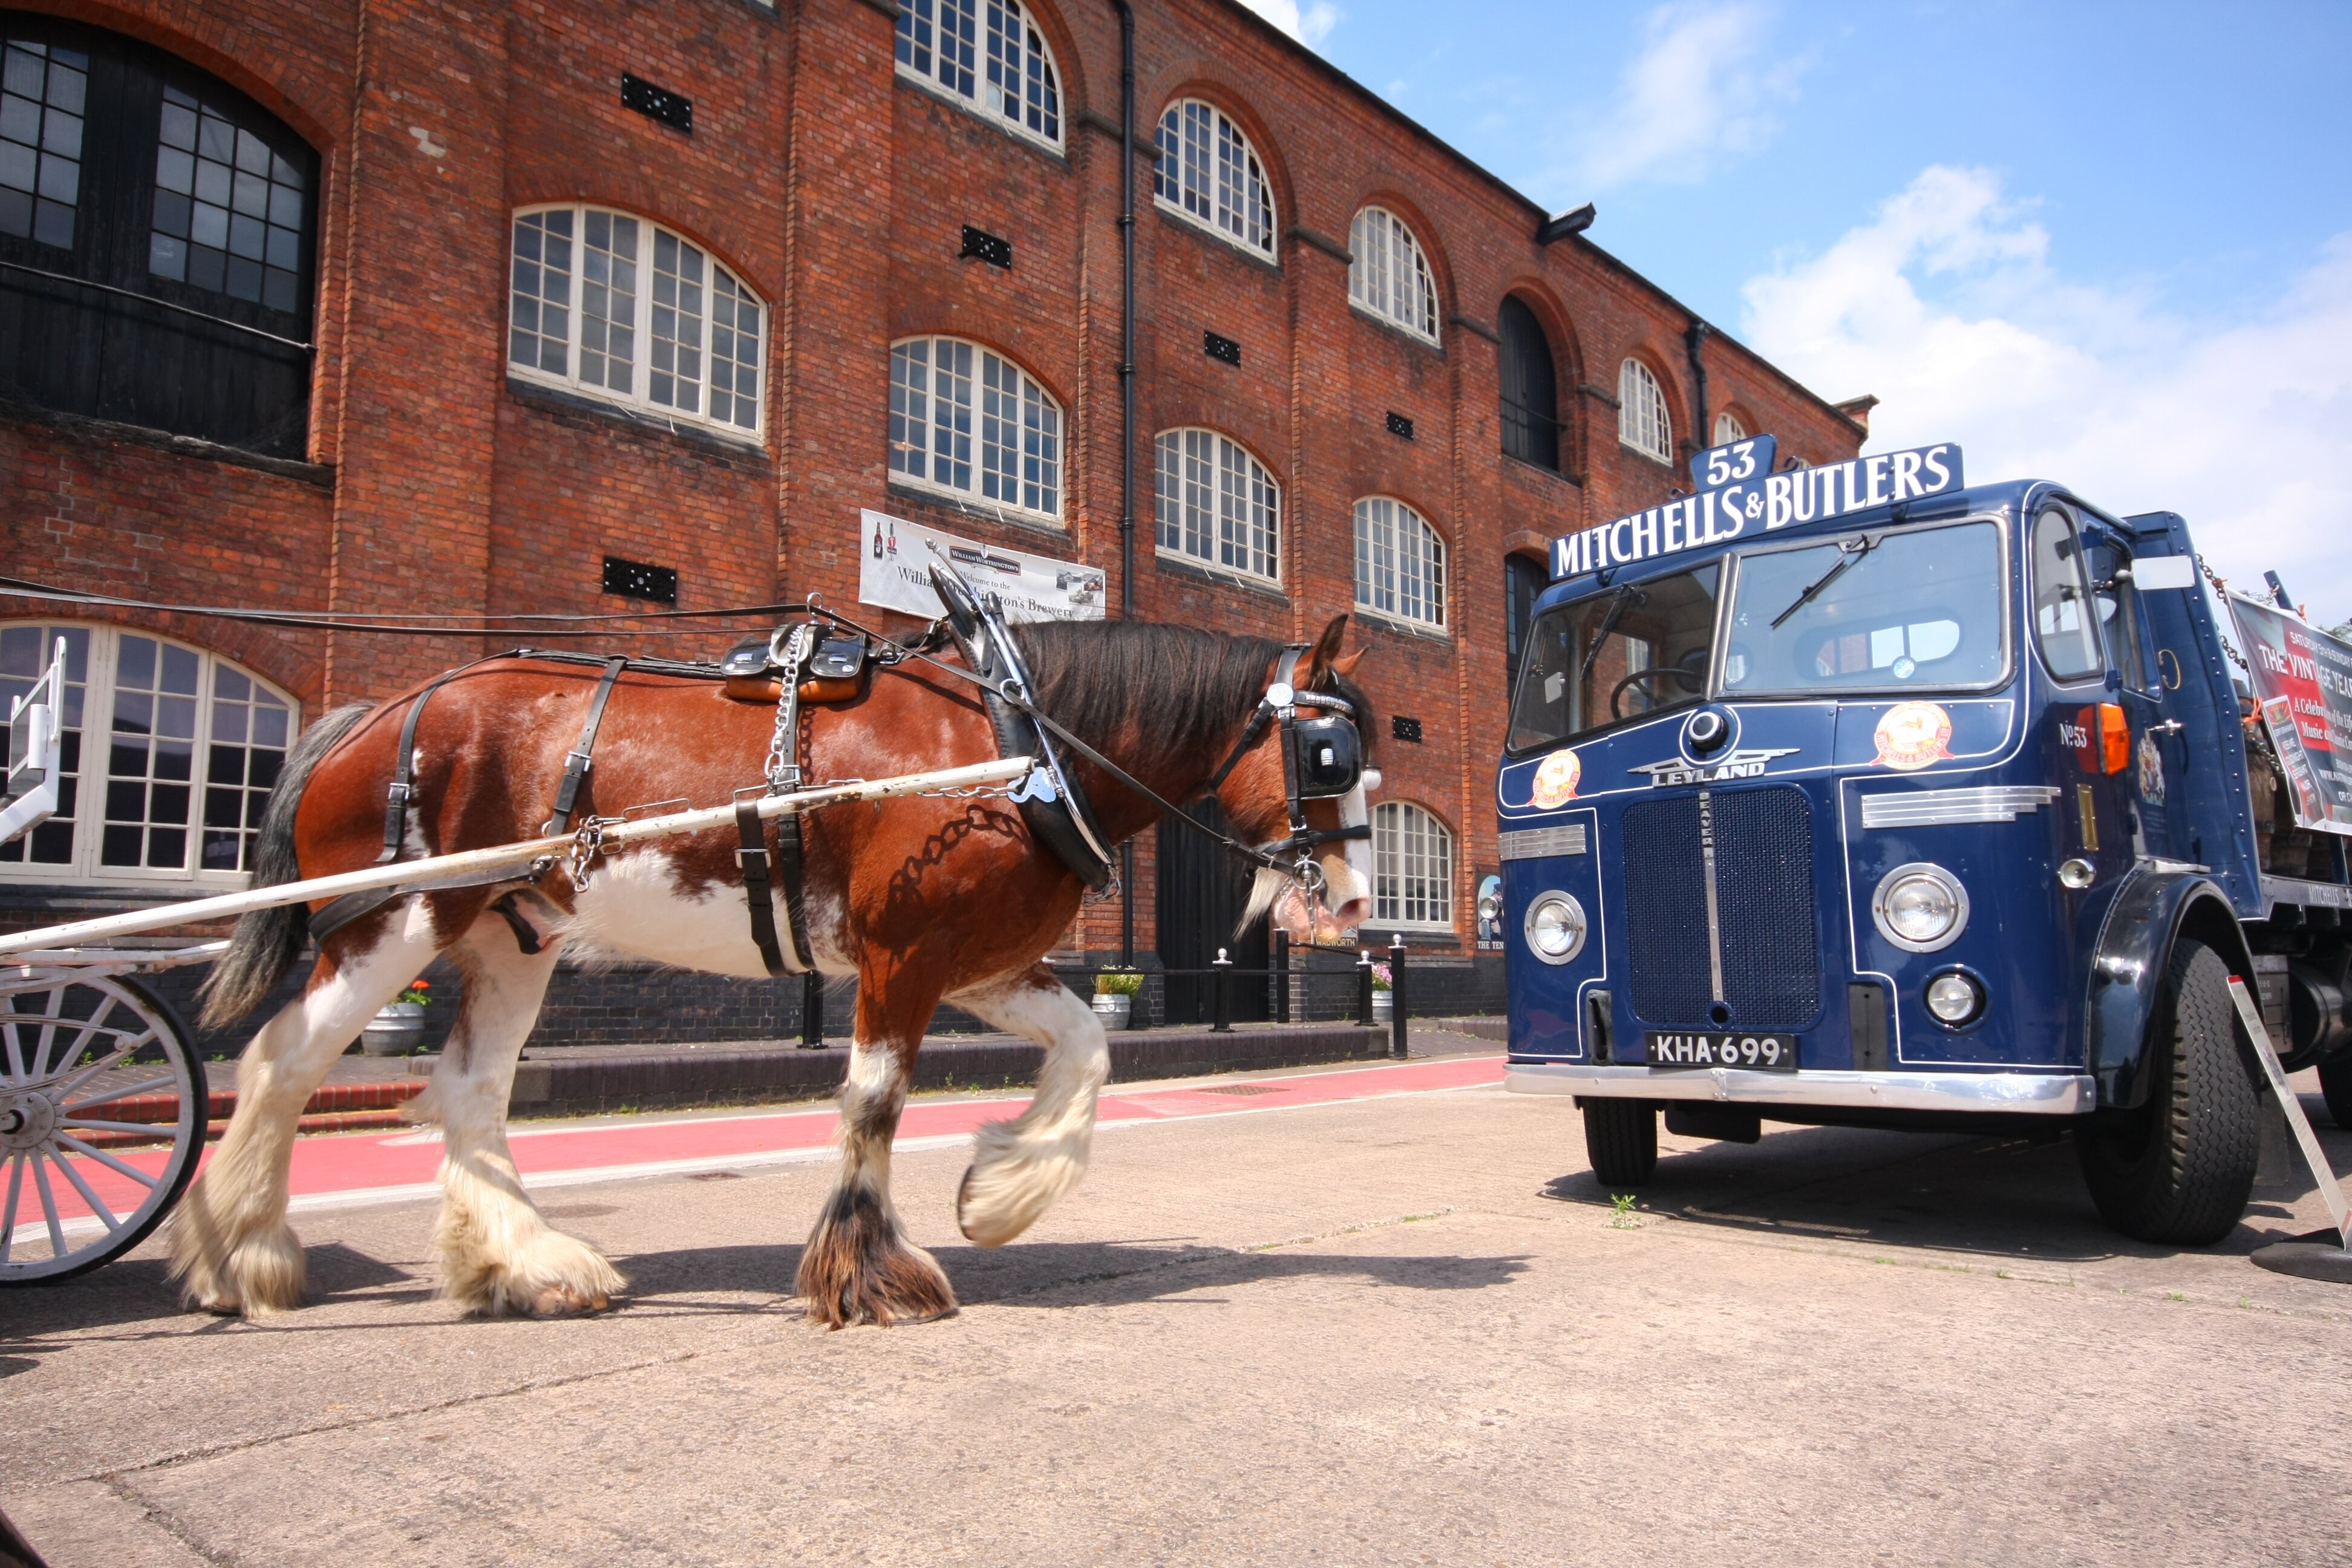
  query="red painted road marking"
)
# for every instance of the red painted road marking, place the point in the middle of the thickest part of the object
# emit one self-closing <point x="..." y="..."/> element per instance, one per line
<point x="334" y="1171"/>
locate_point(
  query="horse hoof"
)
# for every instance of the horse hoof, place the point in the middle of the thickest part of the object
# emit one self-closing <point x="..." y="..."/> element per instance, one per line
<point x="963" y="1196"/>
<point x="564" y="1301"/>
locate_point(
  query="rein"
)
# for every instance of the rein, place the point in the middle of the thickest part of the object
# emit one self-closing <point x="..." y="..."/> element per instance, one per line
<point x="1302" y="840"/>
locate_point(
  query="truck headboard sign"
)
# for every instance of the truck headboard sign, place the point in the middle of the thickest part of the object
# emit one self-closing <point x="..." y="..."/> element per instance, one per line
<point x="1749" y="498"/>
<point x="2303" y="684"/>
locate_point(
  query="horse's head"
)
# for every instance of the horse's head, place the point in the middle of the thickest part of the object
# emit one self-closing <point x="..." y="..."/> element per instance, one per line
<point x="1322" y="754"/>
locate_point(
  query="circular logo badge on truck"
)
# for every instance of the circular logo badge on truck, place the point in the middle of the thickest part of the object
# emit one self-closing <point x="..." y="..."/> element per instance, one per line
<point x="1913" y="735"/>
<point x="1556" y="778"/>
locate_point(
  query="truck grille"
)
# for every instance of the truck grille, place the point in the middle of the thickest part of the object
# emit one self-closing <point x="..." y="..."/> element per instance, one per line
<point x="1763" y="931"/>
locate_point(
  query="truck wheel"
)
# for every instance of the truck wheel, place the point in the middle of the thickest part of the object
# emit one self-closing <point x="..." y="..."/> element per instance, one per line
<point x="1620" y="1138"/>
<point x="2336" y="1083"/>
<point x="2180" y="1170"/>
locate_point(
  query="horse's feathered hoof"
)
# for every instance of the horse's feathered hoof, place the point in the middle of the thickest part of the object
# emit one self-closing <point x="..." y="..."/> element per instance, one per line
<point x="561" y="1300"/>
<point x="857" y="1270"/>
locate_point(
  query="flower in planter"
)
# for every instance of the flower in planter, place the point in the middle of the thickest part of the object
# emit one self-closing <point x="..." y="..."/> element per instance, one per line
<point x="1382" y="979"/>
<point x="416" y="992"/>
<point x="1118" y="983"/>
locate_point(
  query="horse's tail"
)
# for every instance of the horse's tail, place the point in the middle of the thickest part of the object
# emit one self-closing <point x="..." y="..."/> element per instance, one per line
<point x="268" y="942"/>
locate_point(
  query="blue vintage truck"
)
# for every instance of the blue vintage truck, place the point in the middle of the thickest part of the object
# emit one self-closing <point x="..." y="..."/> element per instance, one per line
<point x="1856" y="794"/>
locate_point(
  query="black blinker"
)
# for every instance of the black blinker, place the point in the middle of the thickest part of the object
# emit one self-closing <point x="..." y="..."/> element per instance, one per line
<point x="1326" y="757"/>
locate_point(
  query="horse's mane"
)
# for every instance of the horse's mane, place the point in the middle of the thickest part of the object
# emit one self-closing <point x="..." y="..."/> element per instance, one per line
<point x="1172" y="692"/>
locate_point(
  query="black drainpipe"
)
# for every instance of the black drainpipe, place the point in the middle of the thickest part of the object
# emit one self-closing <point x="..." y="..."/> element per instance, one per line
<point x="1126" y="408"/>
<point x="1701" y="438"/>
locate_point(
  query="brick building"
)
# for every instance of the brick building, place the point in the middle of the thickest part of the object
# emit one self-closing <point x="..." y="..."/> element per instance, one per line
<point x="382" y="306"/>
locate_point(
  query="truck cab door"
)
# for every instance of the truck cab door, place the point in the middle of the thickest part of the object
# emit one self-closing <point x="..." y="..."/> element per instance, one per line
<point x="2155" y="781"/>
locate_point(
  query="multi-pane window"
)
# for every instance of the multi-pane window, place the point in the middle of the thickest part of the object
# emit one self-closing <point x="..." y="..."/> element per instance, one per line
<point x="193" y="746"/>
<point x="1642" y="422"/>
<point x="1412" y="867"/>
<point x="1389" y="275"/>
<point x="1727" y="428"/>
<point x="1209" y="173"/>
<point x="44" y="91"/>
<point x="1530" y="405"/>
<point x="1400" y="562"/>
<point x="970" y="421"/>
<point x="228" y="210"/>
<point x="1218" y="504"/>
<point x="623" y="308"/>
<point x="988" y="52"/>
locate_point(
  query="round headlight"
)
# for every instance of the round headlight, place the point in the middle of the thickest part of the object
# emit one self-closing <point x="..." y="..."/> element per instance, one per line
<point x="1920" y="907"/>
<point x="1555" y="927"/>
<point x="1954" y="998"/>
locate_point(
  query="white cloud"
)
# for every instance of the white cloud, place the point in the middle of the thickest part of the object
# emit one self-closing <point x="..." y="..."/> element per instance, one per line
<point x="1701" y="89"/>
<point x="1947" y="306"/>
<point x="1310" y="23"/>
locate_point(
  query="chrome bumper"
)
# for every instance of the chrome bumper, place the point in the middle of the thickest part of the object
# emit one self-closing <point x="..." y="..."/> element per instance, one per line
<point x="2006" y="1093"/>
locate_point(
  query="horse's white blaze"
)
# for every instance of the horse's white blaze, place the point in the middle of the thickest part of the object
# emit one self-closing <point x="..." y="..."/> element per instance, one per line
<point x="230" y="1242"/>
<point x="1020" y="1167"/>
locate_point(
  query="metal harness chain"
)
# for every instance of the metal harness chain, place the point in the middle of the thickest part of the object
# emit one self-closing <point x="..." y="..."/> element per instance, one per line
<point x="783" y="772"/>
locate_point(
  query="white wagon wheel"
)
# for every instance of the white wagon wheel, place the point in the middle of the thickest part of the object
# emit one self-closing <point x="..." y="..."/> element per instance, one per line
<point x="86" y="1063"/>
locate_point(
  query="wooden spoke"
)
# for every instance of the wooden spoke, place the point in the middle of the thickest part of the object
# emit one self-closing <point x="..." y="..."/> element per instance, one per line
<point x="163" y="1081"/>
<point x="89" y="1195"/>
<point x="73" y="1052"/>
<point x="119" y="1167"/>
<point x="50" y="1206"/>
<point x="16" y="1190"/>
<point x="151" y="1129"/>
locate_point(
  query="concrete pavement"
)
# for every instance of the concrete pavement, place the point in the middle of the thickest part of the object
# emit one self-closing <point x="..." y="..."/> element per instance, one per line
<point x="1402" y="1330"/>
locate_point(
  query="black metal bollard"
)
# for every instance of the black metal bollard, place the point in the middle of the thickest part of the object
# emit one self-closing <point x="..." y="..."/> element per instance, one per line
<point x="811" y="1011"/>
<point x="1280" y="978"/>
<point x="1398" y="1033"/>
<point x="1222" y="981"/>
<point x="1364" y="988"/>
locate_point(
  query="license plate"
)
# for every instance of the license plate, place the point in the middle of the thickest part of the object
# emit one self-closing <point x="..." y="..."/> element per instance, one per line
<point x="1732" y="1048"/>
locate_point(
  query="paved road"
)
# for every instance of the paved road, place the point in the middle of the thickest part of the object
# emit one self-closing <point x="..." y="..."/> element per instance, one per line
<point x="1400" y="1329"/>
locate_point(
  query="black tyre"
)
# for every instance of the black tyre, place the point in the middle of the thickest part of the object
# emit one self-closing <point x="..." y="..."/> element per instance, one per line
<point x="2336" y="1083"/>
<point x="78" y="1184"/>
<point x="1621" y="1138"/>
<point x="2179" y="1170"/>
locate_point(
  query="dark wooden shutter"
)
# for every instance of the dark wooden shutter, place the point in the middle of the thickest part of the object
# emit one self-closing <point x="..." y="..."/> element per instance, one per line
<point x="92" y="328"/>
<point x="1529" y="400"/>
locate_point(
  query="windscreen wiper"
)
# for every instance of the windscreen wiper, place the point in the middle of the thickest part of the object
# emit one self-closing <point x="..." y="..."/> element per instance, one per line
<point x="1850" y="553"/>
<point x="1624" y="596"/>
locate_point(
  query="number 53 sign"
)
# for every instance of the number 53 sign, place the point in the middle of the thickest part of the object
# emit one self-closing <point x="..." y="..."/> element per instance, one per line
<point x="1737" y="461"/>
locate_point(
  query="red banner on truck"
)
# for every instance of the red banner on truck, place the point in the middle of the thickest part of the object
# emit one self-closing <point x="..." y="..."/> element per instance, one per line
<point x="2303" y="684"/>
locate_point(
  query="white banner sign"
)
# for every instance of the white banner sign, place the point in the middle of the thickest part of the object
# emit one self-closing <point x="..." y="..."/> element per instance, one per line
<point x="894" y="570"/>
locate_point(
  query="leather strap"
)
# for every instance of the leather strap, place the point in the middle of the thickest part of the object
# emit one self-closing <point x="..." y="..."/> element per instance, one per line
<point x="757" y="890"/>
<point x="576" y="766"/>
<point x="788" y="865"/>
<point x="403" y="772"/>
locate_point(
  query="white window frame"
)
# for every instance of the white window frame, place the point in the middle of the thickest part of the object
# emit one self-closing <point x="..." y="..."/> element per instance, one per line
<point x="648" y="308"/>
<point x="84" y="868"/>
<point x="1040" y="429"/>
<point x="971" y="72"/>
<point x="1727" y="429"/>
<point x="1208" y="488"/>
<point x="1387" y="273"/>
<point x="1206" y="158"/>
<point x="1400" y="564"/>
<point x="1407" y="837"/>
<point x="1644" y="421"/>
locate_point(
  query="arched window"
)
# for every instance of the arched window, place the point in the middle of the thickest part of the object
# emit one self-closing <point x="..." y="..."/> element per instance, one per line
<point x="1389" y="275"/>
<point x="1218" y="504"/>
<point x="627" y="313"/>
<point x="192" y="745"/>
<point x="937" y="385"/>
<point x="1727" y="428"/>
<point x="159" y="228"/>
<point x="1400" y="562"/>
<point x="1412" y="867"/>
<point x="1209" y="173"/>
<point x="989" y="54"/>
<point x="1530" y="406"/>
<point x="1642" y="422"/>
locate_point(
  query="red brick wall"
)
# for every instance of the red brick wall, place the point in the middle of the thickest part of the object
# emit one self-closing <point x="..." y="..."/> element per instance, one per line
<point x="837" y="191"/>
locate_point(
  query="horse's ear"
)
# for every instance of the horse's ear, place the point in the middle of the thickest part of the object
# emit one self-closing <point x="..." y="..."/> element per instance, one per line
<point x="1345" y="665"/>
<point x="1323" y="657"/>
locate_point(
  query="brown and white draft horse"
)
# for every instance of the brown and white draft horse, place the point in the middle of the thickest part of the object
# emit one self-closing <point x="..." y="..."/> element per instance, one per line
<point x="923" y="899"/>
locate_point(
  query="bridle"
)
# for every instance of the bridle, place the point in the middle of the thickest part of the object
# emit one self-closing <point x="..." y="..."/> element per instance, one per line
<point x="1322" y="758"/>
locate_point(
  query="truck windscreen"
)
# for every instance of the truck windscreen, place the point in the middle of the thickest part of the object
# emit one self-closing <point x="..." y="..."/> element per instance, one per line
<point x="1873" y="611"/>
<point x="1622" y="653"/>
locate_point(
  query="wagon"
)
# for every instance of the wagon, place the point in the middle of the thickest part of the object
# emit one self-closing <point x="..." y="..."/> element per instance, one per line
<point x="104" y="1103"/>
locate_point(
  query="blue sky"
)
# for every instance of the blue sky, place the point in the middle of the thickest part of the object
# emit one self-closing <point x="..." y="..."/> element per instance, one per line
<point x="2108" y="244"/>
